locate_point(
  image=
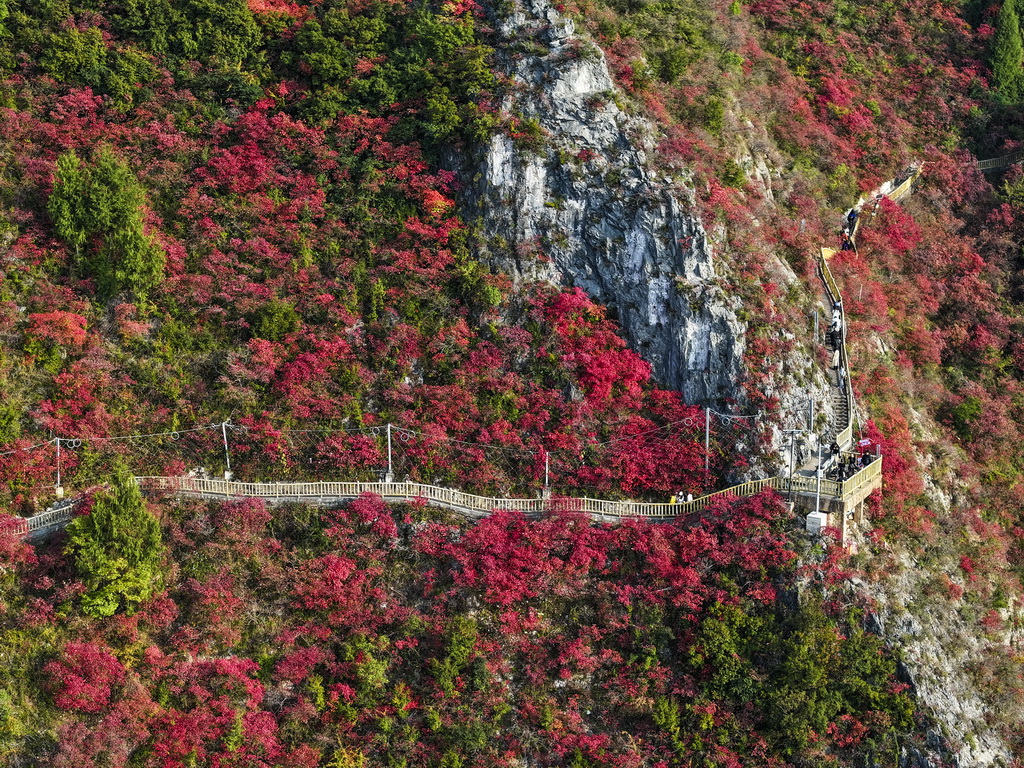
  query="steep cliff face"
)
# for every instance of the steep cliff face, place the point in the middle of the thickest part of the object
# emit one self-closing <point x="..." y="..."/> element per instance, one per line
<point x="940" y="652"/>
<point x="947" y="657"/>
<point x="584" y="209"/>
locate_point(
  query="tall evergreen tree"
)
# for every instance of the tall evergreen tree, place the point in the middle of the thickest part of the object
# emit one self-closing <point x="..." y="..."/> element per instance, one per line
<point x="67" y="201"/>
<point x="98" y="211"/>
<point x="1008" y="56"/>
<point x="116" y="549"/>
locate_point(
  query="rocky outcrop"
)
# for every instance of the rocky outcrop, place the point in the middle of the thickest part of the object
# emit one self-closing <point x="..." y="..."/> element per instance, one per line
<point x="938" y="650"/>
<point x="582" y="207"/>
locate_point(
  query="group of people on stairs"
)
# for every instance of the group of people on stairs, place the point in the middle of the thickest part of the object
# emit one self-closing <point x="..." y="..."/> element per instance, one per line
<point x="835" y="343"/>
<point x="849" y="232"/>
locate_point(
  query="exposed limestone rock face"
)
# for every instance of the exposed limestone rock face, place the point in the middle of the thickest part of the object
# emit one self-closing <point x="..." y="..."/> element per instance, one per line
<point x="939" y="650"/>
<point x="586" y="210"/>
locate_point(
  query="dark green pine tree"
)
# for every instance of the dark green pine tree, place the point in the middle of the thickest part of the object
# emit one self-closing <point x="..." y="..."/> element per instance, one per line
<point x="1008" y="56"/>
<point x="116" y="549"/>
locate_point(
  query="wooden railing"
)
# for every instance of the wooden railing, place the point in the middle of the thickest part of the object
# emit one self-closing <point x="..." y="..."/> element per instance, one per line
<point x="460" y="501"/>
<point x="831" y="287"/>
<point x="996" y="163"/>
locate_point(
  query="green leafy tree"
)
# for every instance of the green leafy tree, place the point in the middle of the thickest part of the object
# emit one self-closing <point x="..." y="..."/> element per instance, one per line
<point x="373" y="58"/>
<point x="462" y="637"/>
<point x="442" y="113"/>
<point x="77" y="57"/>
<point x="85" y="58"/>
<point x="208" y="30"/>
<point x="275" y="320"/>
<point x="1008" y="56"/>
<point x="722" y="650"/>
<point x="10" y="420"/>
<point x="98" y="211"/>
<point x="116" y="549"/>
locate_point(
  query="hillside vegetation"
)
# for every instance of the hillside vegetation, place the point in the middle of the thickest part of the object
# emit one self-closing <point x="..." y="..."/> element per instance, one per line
<point x="788" y="113"/>
<point x="368" y="636"/>
<point x="220" y="210"/>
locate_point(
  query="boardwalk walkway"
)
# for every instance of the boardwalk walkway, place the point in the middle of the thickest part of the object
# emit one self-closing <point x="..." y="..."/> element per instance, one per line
<point x="998" y="163"/>
<point x="838" y="497"/>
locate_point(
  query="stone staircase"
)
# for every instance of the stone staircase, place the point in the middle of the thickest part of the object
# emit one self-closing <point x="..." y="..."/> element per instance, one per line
<point x="840" y="408"/>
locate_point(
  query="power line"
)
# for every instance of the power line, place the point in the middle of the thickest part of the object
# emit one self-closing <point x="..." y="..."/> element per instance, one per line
<point x="173" y="435"/>
<point x="26" y="448"/>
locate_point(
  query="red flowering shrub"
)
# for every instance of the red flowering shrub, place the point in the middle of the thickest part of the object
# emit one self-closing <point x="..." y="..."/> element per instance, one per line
<point x="65" y="329"/>
<point x="15" y="552"/>
<point x="83" y="678"/>
<point x="847" y="731"/>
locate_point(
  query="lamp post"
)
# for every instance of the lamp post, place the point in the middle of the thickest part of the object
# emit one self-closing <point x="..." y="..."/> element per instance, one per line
<point x="59" y="489"/>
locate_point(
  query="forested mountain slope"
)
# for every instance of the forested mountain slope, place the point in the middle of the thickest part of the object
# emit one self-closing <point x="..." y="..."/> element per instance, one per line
<point x="316" y="219"/>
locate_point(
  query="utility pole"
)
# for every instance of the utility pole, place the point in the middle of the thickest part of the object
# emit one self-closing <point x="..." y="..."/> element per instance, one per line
<point x="707" y="439"/>
<point x="792" y="458"/>
<point x="817" y="493"/>
<point x="547" y="468"/>
<point x="792" y="462"/>
<point x="227" y="453"/>
<point x="60" y="488"/>
<point x="390" y="477"/>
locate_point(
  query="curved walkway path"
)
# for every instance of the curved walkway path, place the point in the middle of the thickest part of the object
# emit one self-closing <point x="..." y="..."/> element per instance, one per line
<point x="838" y="496"/>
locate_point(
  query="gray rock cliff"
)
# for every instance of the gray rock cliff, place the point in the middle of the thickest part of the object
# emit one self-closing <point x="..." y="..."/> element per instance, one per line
<point x="586" y="210"/>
